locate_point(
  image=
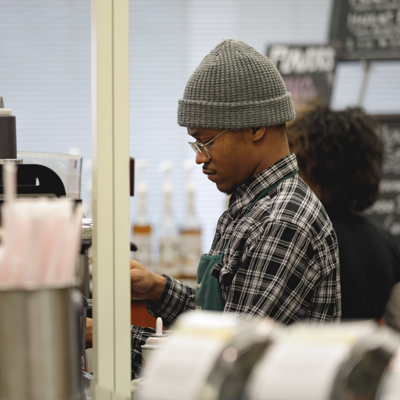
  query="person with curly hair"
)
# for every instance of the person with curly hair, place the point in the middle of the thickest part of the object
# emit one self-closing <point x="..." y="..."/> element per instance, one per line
<point x="340" y="155"/>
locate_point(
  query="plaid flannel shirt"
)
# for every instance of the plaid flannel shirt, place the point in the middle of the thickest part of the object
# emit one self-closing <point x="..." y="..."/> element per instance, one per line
<point x="282" y="260"/>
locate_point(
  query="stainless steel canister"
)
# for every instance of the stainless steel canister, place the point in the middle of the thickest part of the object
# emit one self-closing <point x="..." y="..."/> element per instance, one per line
<point x="39" y="344"/>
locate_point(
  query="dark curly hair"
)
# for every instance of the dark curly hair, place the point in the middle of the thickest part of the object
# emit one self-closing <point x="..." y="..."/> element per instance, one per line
<point x="340" y="153"/>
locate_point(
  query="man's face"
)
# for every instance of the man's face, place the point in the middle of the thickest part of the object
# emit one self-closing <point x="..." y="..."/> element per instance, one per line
<point x="231" y="163"/>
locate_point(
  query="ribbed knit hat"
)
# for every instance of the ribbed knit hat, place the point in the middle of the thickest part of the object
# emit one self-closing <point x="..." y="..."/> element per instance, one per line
<point x="235" y="87"/>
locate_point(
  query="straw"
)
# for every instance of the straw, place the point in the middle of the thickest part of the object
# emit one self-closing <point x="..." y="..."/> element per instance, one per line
<point x="41" y="242"/>
<point x="74" y="242"/>
<point x="51" y="233"/>
<point x="4" y="261"/>
<point x="9" y="240"/>
<point x="58" y="251"/>
<point x="19" y="237"/>
<point x="1" y="264"/>
<point x="9" y="179"/>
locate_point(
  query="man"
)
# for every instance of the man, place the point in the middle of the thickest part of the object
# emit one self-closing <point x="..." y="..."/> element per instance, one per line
<point x="274" y="252"/>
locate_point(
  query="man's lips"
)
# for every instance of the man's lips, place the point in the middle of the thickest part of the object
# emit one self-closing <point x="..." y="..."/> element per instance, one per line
<point x="209" y="173"/>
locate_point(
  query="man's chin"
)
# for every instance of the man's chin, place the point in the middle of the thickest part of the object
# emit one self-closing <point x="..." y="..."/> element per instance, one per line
<point x="224" y="189"/>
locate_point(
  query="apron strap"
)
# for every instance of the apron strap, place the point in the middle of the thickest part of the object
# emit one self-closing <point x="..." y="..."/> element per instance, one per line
<point x="261" y="196"/>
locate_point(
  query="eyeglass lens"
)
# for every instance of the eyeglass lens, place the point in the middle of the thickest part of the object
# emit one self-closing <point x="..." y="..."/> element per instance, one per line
<point x="200" y="149"/>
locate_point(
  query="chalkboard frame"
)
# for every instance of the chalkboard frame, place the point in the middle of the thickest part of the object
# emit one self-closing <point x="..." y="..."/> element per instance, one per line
<point x="382" y="118"/>
<point x="324" y="93"/>
<point x="335" y="39"/>
<point x="379" y="218"/>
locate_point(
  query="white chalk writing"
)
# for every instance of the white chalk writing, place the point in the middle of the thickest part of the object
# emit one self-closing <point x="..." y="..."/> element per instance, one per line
<point x="366" y="5"/>
<point x="300" y="60"/>
<point x="370" y="20"/>
<point x="390" y="186"/>
<point x="383" y="206"/>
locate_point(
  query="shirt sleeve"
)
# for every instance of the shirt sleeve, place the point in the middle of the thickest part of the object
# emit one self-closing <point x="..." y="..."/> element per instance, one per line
<point x="283" y="275"/>
<point x="176" y="298"/>
<point x="139" y="336"/>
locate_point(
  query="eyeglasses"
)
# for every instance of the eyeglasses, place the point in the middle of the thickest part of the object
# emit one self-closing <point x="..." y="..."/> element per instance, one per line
<point x="201" y="147"/>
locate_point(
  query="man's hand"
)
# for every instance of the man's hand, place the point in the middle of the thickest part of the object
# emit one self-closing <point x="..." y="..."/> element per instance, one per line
<point x="145" y="284"/>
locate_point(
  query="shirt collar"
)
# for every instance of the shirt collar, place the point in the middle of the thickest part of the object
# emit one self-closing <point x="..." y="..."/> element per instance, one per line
<point x="246" y="193"/>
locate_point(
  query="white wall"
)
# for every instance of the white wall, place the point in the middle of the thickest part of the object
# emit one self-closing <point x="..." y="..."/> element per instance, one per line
<point x="45" y="76"/>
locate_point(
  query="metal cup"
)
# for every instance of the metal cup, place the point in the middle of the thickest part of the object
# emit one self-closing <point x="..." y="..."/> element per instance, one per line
<point x="39" y="344"/>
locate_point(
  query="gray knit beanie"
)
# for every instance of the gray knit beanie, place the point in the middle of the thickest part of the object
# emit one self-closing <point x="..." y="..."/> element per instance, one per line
<point x="235" y="87"/>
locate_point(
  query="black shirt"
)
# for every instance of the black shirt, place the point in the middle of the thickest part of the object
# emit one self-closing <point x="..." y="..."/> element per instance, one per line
<point x="369" y="266"/>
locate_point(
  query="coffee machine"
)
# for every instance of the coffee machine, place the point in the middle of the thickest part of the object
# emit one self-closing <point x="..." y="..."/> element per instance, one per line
<point x="52" y="176"/>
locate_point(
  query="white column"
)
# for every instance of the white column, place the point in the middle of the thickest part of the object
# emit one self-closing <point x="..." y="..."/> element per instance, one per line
<point x="110" y="198"/>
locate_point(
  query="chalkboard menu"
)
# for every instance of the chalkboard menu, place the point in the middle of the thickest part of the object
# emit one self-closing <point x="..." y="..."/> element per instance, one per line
<point x="386" y="210"/>
<point x="366" y="29"/>
<point x="308" y="71"/>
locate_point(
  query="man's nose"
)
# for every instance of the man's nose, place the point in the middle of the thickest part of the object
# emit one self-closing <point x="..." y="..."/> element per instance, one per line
<point x="200" y="158"/>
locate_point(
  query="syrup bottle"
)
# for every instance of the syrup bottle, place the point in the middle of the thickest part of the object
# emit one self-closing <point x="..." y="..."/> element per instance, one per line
<point x="142" y="229"/>
<point x="190" y="232"/>
<point x="169" y="255"/>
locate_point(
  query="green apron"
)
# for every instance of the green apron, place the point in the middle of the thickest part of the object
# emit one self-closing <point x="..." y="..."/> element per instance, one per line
<point x="208" y="290"/>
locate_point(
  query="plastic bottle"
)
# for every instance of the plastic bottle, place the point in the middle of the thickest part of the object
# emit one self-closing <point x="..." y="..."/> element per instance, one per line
<point x="142" y="230"/>
<point x="190" y="232"/>
<point x="169" y="255"/>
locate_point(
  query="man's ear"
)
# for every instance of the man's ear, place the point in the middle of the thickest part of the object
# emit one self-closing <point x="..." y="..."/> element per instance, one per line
<point x="259" y="133"/>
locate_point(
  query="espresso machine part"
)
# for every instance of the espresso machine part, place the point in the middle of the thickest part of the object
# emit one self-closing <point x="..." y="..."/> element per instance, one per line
<point x="68" y="167"/>
<point x="87" y="229"/>
<point x="84" y="278"/>
<point x="8" y="136"/>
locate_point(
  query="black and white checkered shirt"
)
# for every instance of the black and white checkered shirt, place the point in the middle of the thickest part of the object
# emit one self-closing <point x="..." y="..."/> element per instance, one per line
<point x="282" y="260"/>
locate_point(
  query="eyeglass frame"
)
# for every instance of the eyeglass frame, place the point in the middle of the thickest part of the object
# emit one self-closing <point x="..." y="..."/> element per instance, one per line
<point x="201" y="147"/>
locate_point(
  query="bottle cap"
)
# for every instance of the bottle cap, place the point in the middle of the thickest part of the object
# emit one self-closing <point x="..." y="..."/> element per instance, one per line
<point x="4" y="111"/>
<point x="159" y="324"/>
